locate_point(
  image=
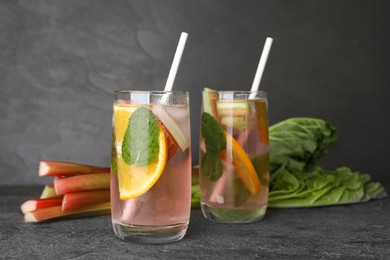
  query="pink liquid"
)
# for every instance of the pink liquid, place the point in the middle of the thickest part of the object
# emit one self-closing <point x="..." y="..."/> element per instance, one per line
<point x="168" y="201"/>
<point x="228" y="192"/>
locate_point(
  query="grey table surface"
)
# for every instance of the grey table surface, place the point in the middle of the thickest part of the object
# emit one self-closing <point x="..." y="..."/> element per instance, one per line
<point x="359" y="231"/>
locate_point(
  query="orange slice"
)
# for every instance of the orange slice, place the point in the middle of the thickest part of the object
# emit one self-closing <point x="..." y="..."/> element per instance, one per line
<point x="243" y="165"/>
<point x="135" y="181"/>
<point x="122" y="113"/>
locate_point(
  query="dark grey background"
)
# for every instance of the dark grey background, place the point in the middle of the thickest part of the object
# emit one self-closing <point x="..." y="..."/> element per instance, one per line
<point x="60" y="62"/>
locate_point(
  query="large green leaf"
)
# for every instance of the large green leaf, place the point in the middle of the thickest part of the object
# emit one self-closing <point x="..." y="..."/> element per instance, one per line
<point x="298" y="143"/>
<point x="322" y="188"/>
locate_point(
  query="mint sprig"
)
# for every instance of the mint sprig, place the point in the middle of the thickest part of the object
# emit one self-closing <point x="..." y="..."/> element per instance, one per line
<point x="215" y="142"/>
<point x="140" y="143"/>
<point x="212" y="133"/>
<point x="211" y="165"/>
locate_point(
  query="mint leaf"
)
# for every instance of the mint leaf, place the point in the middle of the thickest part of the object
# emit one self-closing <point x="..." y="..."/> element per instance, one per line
<point x="215" y="141"/>
<point x="212" y="133"/>
<point x="140" y="142"/>
<point x="212" y="165"/>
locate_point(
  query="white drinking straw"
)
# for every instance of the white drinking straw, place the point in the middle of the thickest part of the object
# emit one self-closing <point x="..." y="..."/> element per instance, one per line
<point x="176" y="61"/>
<point x="261" y="66"/>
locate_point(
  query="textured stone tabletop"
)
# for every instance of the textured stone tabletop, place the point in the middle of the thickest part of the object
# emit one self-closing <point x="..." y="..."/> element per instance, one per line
<point x="360" y="231"/>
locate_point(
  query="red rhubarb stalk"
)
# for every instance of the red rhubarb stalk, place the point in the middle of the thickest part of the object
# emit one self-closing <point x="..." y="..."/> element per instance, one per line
<point x="36" y="204"/>
<point x="80" y="199"/>
<point x="82" y="183"/>
<point x="174" y="130"/>
<point x="54" y="168"/>
<point x="56" y="212"/>
<point x="172" y="148"/>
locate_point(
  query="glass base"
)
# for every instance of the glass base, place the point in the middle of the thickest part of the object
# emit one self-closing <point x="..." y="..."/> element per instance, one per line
<point x="150" y="234"/>
<point x="223" y="215"/>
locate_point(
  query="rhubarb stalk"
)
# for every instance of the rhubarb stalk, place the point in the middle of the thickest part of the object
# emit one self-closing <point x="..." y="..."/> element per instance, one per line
<point x="80" y="199"/>
<point x="36" y="204"/>
<point x="53" y="168"/>
<point x="56" y="212"/>
<point x="82" y="183"/>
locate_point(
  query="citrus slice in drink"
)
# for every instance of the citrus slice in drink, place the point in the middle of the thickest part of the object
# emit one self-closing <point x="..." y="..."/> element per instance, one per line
<point x="243" y="165"/>
<point x="122" y="113"/>
<point x="135" y="180"/>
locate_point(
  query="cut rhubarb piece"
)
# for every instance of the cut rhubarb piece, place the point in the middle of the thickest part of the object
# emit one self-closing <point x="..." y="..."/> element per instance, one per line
<point x="173" y="129"/>
<point x="82" y="183"/>
<point x="44" y="214"/>
<point x="49" y="192"/>
<point x="233" y="108"/>
<point x="210" y="98"/>
<point x="172" y="148"/>
<point x="81" y="199"/>
<point x="53" y="168"/>
<point x="223" y="190"/>
<point x="35" y="204"/>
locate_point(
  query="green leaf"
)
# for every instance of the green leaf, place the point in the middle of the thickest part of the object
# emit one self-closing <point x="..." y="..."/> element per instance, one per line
<point x="140" y="143"/>
<point x="352" y="195"/>
<point x="286" y="181"/>
<point x="215" y="141"/>
<point x="320" y="187"/>
<point x="374" y="190"/>
<point x="319" y="181"/>
<point x="212" y="133"/>
<point x="211" y="165"/>
<point x="331" y="196"/>
<point x="300" y="201"/>
<point x="298" y="143"/>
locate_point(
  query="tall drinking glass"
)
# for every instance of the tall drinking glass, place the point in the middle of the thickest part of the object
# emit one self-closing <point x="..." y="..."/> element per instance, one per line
<point x="151" y="166"/>
<point x="234" y="170"/>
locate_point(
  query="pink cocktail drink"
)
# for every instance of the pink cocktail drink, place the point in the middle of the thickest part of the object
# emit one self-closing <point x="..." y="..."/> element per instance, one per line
<point x="234" y="154"/>
<point x="166" y="203"/>
<point x="151" y="178"/>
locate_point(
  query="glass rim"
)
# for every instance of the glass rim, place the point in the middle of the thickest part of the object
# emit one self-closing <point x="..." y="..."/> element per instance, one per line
<point x="262" y="92"/>
<point x="156" y="92"/>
